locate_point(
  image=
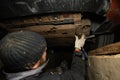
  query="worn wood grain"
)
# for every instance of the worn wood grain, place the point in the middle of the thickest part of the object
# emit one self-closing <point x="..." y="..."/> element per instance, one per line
<point x="103" y="63"/>
<point x="107" y="50"/>
<point x="104" y="67"/>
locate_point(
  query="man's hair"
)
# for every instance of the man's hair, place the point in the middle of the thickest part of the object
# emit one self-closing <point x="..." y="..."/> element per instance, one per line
<point x="19" y="51"/>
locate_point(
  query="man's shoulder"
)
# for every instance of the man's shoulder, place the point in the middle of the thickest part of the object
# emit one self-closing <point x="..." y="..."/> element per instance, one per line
<point x="43" y="76"/>
<point x="50" y="76"/>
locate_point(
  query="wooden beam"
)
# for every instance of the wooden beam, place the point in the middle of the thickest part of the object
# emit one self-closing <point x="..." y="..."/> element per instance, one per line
<point x="104" y="67"/>
<point x="107" y="50"/>
<point x="50" y="31"/>
<point x="104" y="63"/>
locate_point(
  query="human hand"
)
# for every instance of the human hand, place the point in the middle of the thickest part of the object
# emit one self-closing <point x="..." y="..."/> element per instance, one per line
<point x="79" y="42"/>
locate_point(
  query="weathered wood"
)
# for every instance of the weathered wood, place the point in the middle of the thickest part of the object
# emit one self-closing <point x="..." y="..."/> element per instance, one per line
<point x="51" y="31"/>
<point x="103" y="63"/>
<point x="59" y="34"/>
<point x="104" y="67"/>
<point x="109" y="49"/>
<point x="44" y="19"/>
<point x="54" y="31"/>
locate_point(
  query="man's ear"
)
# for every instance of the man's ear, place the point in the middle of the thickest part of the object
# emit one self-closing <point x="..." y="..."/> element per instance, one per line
<point x="44" y="54"/>
<point x="46" y="49"/>
<point x="41" y="61"/>
<point x="36" y="65"/>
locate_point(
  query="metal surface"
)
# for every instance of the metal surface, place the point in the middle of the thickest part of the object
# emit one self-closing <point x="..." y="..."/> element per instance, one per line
<point x="18" y="8"/>
<point x="104" y="28"/>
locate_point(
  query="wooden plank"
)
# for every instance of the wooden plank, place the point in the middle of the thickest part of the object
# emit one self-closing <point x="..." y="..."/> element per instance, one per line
<point x="103" y="63"/>
<point x="41" y="19"/>
<point x="107" y="50"/>
<point x="66" y="30"/>
<point x="104" y="67"/>
<point x="51" y="30"/>
<point x="57" y="35"/>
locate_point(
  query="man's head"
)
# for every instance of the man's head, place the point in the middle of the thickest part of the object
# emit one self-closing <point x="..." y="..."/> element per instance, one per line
<point x="20" y="51"/>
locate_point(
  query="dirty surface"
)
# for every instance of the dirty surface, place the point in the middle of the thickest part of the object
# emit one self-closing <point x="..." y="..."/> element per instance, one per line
<point x="104" y="67"/>
<point x="103" y="63"/>
<point x="107" y="50"/>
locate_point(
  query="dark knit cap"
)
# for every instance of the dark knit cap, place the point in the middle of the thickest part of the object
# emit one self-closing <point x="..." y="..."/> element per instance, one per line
<point x="21" y="50"/>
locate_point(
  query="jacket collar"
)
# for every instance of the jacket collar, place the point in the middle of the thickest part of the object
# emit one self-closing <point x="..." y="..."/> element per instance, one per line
<point x="20" y="75"/>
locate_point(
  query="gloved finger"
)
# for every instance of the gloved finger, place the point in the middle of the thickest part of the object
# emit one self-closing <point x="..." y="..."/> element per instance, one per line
<point x="76" y="37"/>
<point x="83" y="36"/>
